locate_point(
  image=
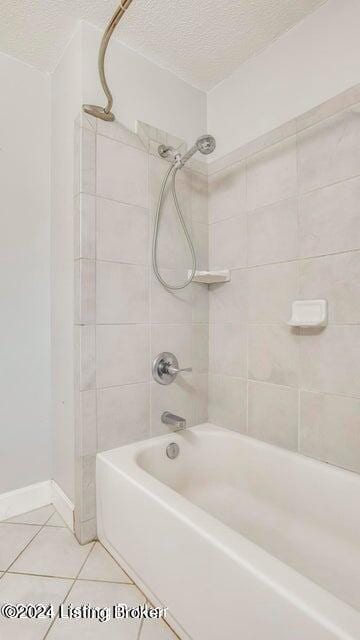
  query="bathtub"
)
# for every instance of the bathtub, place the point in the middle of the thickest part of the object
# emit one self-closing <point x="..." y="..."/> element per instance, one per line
<point x="241" y="540"/>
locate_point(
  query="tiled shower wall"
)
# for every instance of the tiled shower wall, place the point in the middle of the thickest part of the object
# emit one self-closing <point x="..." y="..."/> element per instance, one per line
<point x="124" y="318"/>
<point x="283" y="213"/>
<point x="286" y="220"/>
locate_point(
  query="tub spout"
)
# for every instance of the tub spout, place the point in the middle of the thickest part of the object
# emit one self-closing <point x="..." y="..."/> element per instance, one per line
<point x="174" y="421"/>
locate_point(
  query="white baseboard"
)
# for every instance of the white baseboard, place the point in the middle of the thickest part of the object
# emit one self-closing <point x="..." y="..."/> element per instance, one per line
<point x="34" y="496"/>
<point x="15" y="503"/>
<point x="62" y="504"/>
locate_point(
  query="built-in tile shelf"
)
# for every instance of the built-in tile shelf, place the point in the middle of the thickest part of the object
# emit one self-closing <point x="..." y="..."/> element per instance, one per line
<point x="211" y="277"/>
<point x="309" y="313"/>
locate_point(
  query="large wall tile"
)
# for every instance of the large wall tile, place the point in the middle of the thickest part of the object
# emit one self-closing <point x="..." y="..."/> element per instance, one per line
<point x="85" y="488"/>
<point x="228" y="302"/>
<point x="227" y="193"/>
<point x="330" y="360"/>
<point x="228" y="349"/>
<point x="85" y="423"/>
<point x="173" y="255"/>
<point x="122" y="172"/>
<point x="272" y="289"/>
<point x="228" y="402"/>
<point x="199" y="198"/>
<point x="273" y="414"/>
<point x="119" y="132"/>
<point x="176" y="338"/>
<point x="228" y="243"/>
<point x="167" y="306"/>
<point x="178" y="397"/>
<point x="200" y="239"/>
<point x="201" y="387"/>
<point x="274" y="354"/>
<point x="329" y="219"/>
<point x="122" y="293"/>
<point x="122" y="354"/>
<point x="84" y="357"/>
<point x="123" y="415"/>
<point x="272" y="233"/>
<point x="122" y="232"/>
<point x="173" y="250"/>
<point x="337" y="279"/>
<point x="158" y="169"/>
<point x="200" y="347"/>
<point x="199" y="302"/>
<point x="84" y="227"/>
<point x="329" y="429"/>
<point x="272" y="175"/>
<point x="330" y="151"/>
<point x="87" y="161"/>
<point x="84" y="291"/>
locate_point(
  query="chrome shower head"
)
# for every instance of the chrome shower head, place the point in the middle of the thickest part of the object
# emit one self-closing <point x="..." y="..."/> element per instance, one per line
<point x="205" y="144"/>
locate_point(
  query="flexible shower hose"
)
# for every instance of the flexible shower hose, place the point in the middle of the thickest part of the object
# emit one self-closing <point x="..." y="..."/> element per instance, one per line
<point x="172" y="170"/>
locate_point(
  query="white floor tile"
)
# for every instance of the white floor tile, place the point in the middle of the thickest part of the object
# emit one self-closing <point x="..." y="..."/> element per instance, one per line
<point x="30" y="589"/>
<point x="156" y="630"/>
<point x="101" y="566"/>
<point x="38" y="516"/>
<point x="56" y="521"/>
<point x="99" y="594"/>
<point x="13" y="539"/>
<point x="54" y="552"/>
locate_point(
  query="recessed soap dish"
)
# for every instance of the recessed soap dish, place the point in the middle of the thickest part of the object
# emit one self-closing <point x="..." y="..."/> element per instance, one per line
<point x="309" y="313"/>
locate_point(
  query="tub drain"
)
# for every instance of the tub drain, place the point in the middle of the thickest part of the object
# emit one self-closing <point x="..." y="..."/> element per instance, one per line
<point x="172" y="450"/>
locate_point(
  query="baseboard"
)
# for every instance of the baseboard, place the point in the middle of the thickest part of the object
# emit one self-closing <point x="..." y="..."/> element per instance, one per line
<point x="34" y="496"/>
<point x="62" y="504"/>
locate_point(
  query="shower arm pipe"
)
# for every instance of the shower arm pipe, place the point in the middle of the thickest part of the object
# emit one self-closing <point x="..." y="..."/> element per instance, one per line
<point x="105" y="112"/>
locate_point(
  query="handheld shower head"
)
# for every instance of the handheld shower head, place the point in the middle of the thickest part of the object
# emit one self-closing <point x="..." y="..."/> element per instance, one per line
<point x="205" y="144"/>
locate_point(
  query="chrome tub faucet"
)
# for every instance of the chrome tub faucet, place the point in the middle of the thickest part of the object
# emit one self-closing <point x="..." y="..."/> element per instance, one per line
<point x="174" y="421"/>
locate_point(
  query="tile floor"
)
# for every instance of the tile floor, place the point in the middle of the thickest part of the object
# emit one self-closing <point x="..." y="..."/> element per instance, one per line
<point x="42" y="562"/>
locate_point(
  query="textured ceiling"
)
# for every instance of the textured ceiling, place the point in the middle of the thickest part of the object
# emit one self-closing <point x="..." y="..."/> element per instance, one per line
<point x="202" y="41"/>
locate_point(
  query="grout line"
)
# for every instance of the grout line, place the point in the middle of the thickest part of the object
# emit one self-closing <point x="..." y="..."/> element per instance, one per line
<point x="144" y="210"/>
<point x="297" y="259"/>
<point x="69" y="590"/>
<point x="96" y="195"/>
<point x="143" y="265"/>
<point x="287" y="386"/>
<point x="148" y="601"/>
<point x="24" y="549"/>
<point x="45" y="575"/>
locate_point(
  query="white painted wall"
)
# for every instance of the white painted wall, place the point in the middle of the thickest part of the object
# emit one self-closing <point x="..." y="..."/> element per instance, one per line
<point x="66" y="91"/>
<point x="24" y="275"/>
<point x="142" y="90"/>
<point x="312" y="62"/>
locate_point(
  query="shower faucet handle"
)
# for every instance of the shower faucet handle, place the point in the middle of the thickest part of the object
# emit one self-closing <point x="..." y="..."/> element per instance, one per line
<point x="166" y="367"/>
<point x="174" y="370"/>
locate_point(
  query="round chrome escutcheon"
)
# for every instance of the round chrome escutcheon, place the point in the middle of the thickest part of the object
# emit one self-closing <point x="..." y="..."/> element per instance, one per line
<point x="172" y="450"/>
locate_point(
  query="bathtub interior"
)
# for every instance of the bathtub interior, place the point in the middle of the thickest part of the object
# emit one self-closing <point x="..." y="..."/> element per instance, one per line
<point x="301" y="511"/>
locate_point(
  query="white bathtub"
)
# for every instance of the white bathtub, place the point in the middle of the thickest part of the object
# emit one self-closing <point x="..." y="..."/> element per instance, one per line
<point x="240" y="539"/>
